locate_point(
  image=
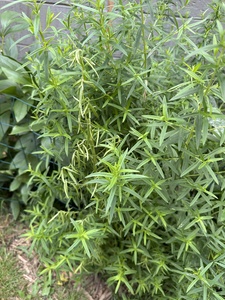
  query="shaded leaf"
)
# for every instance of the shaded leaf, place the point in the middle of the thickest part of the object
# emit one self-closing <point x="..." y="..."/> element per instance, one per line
<point x="20" y="110"/>
<point x="15" y="207"/>
<point x="4" y="123"/>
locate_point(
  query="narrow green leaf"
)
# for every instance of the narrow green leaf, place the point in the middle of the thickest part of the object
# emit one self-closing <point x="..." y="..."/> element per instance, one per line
<point x="198" y="130"/>
<point x="221" y="78"/>
<point x="163" y="134"/>
<point x="205" y="127"/>
<point x="85" y="7"/>
<point x="192" y="284"/>
<point x="212" y="173"/>
<point x="187" y="91"/>
<point x="190" y="168"/>
<point x="111" y="200"/>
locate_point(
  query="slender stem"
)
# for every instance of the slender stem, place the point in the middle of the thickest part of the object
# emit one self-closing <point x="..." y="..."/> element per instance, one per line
<point x="109" y="9"/>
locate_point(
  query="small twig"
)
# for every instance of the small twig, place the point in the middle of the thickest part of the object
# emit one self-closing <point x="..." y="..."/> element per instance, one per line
<point x="110" y="5"/>
<point x="109" y="9"/>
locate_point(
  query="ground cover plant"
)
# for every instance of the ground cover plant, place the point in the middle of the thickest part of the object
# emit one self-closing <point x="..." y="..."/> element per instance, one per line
<point x="129" y="113"/>
<point x="11" y="279"/>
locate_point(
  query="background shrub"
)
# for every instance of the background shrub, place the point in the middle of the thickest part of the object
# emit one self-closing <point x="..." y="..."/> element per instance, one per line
<point x="129" y="112"/>
<point x="17" y="141"/>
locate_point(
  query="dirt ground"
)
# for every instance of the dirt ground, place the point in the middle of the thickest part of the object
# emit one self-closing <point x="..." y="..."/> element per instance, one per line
<point x="93" y="288"/>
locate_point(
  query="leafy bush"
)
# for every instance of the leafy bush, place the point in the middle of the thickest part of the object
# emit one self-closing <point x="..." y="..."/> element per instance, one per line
<point x="17" y="142"/>
<point x="130" y="116"/>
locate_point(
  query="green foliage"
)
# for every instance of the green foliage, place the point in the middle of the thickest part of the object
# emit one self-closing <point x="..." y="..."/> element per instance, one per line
<point x="129" y="107"/>
<point x="17" y="142"/>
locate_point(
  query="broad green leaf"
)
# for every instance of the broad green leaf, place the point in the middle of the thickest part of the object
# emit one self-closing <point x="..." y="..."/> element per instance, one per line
<point x="4" y="123"/>
<point x="16" y="28"/>
<point x="6" y="19"/>
<point x="20" y="110"/>
<point x="15" y="184"/>
<point x="9" y="63"/>
<point x="10" y="88"/>
<point x="37" y="125"/>
<point x="5" y="106"/>
<point x="25" y="191"/>
<point x="16" y="76"/>
<point x="20" y="129"/>
<point x="14" y="70"/>
<point x="11" y="48"/>
<point x="27" y="142"/>
<point x="19" y="162"/>
<point x="15" y="207"/>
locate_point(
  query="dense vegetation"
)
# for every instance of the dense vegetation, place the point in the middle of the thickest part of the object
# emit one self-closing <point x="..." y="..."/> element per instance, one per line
<point x="118" y="144"/>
